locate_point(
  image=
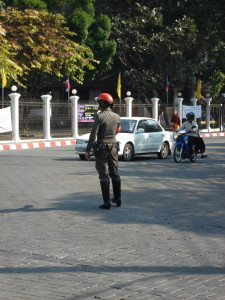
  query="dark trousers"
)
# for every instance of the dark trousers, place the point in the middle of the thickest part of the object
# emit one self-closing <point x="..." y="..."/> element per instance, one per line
<point x="107" y="167"/>
<point x="198" y="141"/>
<point x="107" y="164"/>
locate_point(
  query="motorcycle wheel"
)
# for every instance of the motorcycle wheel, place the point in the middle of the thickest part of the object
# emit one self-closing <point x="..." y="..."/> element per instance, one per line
<point x="193" y="156"/>
<point x="177" y="154"/>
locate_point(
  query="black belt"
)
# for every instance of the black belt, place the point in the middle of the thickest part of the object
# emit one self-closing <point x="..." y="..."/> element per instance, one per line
<point x="98" y="146"/>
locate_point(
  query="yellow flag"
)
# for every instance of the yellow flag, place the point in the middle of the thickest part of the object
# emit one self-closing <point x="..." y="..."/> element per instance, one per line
<point x="198" y="90"/>
<point x="118" y="89"/>
<point x="3" y="78"/>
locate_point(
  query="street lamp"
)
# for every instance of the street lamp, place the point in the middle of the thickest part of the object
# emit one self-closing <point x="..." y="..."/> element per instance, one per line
<point x="14" y="88"/>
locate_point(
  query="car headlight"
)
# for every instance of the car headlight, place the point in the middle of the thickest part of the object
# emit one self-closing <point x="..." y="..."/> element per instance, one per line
<point x="175" y="135"/>
<point x="79" y="141"/>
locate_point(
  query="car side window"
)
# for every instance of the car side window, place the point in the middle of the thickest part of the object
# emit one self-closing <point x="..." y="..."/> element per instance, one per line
<point x="144" y="125"/>
<point x="154" y="126"/>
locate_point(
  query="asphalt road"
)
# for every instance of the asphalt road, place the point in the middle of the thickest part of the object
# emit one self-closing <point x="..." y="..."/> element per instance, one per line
<point x="167" y="241"/>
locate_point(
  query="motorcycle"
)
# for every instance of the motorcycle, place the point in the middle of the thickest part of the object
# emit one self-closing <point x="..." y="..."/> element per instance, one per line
<point x="182" y="150"/>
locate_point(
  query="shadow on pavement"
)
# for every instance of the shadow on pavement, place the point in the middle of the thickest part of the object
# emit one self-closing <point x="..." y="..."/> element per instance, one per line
<point x="185" y="270"/>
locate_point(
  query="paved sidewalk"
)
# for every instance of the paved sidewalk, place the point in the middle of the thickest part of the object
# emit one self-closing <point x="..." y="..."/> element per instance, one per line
<point x="166" y="242"/>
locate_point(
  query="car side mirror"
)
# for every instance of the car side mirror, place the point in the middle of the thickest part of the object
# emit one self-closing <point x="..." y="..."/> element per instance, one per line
<point x="140" y="130"/>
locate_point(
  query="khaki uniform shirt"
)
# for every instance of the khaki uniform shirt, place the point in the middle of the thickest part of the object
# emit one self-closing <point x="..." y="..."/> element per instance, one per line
<point x="104" y="128"/>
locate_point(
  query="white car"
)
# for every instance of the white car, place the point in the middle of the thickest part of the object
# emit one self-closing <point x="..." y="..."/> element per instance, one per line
<point x="138" y="135"/>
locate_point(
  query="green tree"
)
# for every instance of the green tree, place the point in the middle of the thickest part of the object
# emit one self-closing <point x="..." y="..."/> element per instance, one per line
<point x="81" y="19"/>
<point x="183" y="40"/>
<point x="22" y="4"/>
<point x="208" y="49"/>
<point x="7" y="63"/>
<point x="40" y="43"/>
<point x="2" y="4"/>
<point x="91" y="30"/>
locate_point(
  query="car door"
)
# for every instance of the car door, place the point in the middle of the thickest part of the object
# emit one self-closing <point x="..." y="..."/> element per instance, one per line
<point x="142" y="137"/>
<point x="155" y="136"/>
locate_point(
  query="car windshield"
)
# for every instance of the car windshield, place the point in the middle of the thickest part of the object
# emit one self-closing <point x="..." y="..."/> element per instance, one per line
<point x="127" y="125"/>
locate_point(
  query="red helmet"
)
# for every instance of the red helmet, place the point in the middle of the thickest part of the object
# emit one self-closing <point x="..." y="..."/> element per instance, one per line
<point x="105" y="97"/>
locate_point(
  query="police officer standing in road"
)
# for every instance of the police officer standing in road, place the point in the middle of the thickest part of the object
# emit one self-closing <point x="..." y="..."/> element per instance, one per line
<point x="105" y="128"/>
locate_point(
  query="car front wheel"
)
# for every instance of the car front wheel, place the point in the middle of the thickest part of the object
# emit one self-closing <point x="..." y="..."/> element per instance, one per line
<point x="128" y="152"/>
<point x="164" y="151"/>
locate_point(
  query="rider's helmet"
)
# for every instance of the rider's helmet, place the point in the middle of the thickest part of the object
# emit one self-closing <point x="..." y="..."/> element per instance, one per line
<point x="105" y="100"/>
<point x="190" y="116"/>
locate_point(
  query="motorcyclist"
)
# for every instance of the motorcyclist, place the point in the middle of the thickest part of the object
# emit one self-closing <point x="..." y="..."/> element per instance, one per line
<point x="194" y="137"/>
<point x="105" y="128"/>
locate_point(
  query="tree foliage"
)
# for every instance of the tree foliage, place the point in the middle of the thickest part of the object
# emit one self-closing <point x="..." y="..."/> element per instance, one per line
<point x="34" y="4"/>
<point x="7" y="63"/>
<point x="81" y="19"/>
<point x="39" y="42"/>
<point x="183" y="40"/>
<point x="23" y="4"/>
<point x="92" y="30"/>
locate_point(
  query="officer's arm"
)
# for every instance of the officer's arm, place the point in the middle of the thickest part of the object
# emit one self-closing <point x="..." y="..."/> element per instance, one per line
<point x="87" y="155"/>
<point x="92" y="138"/>
<point x="118" y="125"/>
<point x="118" y="128"/>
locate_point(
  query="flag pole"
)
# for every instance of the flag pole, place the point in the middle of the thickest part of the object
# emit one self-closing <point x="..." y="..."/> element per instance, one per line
<point x="68" y="89"/>
<point x="3" y="84"/>
<point x="2" y="96"/>
<point x="167" y="89"/>
<point x="120" y="107"/>
<point x="67" y="84"/>
<point x="118" y="89"/>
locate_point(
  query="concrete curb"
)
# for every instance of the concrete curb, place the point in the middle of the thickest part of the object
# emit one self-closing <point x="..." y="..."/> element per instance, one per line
<point x="36" y="144"/>
<point x="60" y="143"/>
<point x="212" y="134"/>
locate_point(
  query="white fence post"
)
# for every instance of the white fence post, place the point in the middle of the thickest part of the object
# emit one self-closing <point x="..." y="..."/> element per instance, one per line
<point x="194" y="101"/>
<point x="129" y="101"/>
<point x="15" y="114"/>
<point x="74" y="118"/>
<point x="46" y="116"/>
<point x="178" y="104"/>
<point x="155" y="108"/>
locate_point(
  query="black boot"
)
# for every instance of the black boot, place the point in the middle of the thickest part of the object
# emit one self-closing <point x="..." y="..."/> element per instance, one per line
<point x="105" y="194"/>
<point x="116" y="192"/>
